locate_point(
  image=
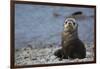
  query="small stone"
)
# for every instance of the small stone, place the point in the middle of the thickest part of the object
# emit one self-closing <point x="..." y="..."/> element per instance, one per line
<point x="34" y="58"/>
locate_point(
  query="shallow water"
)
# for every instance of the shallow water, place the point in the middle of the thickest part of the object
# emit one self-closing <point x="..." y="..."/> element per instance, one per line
<point x="39" y="25"/>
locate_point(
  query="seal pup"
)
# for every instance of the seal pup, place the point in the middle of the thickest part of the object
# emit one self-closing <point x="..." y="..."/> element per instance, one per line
<point x="72" y="46"/>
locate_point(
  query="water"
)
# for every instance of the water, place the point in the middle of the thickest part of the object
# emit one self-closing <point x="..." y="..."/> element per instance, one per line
<point x="39" y="24"/>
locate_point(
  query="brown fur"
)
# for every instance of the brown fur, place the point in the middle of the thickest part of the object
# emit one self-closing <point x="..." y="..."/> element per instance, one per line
<point x="72" y="46"/>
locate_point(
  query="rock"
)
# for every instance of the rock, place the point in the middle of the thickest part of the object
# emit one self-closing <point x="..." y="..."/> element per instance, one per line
<point x="27" y="56"/>
<point x="77" y="13"/>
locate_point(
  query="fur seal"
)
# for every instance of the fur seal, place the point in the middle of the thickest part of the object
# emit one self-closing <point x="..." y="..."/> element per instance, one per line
<point x="72" y="46"/>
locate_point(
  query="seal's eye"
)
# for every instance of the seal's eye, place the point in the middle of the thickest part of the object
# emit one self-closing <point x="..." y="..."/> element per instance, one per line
<point x="73" y="23"/>
<point x="66" y="22"/>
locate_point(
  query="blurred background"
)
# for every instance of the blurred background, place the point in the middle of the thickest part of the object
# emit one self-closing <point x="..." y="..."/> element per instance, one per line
<point x="41" y="25"/>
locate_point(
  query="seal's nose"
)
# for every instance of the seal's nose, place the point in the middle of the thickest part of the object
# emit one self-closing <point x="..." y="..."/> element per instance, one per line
<point x="69" y="23"/>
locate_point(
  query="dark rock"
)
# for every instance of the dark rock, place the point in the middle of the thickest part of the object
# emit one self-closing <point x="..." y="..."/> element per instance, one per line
<point x="26" y="57"/>
<point x="34" y="58"/>
<point x="77" y="13"/>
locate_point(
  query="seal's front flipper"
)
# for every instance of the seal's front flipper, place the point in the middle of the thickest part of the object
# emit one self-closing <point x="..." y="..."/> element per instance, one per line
<point x="58" y="53"/>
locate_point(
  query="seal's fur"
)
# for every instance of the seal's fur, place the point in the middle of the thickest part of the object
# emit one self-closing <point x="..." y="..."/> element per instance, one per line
<point x="72" y="46"/>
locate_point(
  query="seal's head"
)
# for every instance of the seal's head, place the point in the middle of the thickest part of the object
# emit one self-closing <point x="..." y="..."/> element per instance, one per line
<point x="70" y="25"/>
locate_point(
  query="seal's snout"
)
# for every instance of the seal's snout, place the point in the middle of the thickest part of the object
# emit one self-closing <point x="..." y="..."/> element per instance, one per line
<point x="69" y="24"/>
